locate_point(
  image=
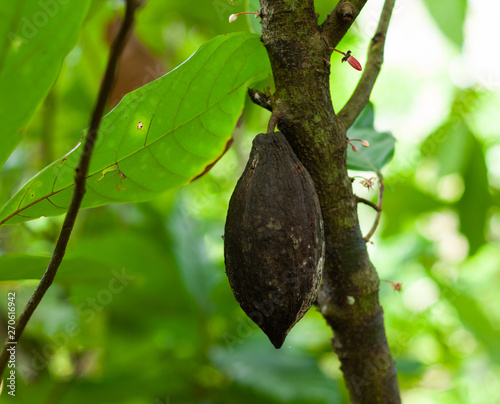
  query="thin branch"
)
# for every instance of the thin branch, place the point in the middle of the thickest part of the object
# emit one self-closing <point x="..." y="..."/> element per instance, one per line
<point x="260" y="99"/>
<point x="378" y="207"/>
<point x="367" y="202"/>
<point x="273" y="121"/>
<point x="340" y="20"/>
<point x="79" y="191"/>
<point x="361" y="94"/>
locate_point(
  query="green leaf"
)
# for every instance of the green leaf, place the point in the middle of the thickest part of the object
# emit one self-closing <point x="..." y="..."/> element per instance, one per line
<point x="381" y="148"/>
<point x="458" y="151"/>
<point x="160" y="136"/>
<point x="448" y="145"/>
<point x="450" y="17"/>
<point x="254" y="23"/>
<point x="22" y="266"/>
<point x="285" y="374"/>
<point x="472" y="316"/>
<point x="476" y="200"/>
<point x="35" y="38"/>
<point x="405" y="201"/>
<point x="190" y="250"/>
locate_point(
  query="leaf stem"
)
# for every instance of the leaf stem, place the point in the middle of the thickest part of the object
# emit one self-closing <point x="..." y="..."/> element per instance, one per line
<point x="273" y="121"/>
<point x="336" y="50"/>
<point x="80" y="175"/>
<point x="368" y="203"/>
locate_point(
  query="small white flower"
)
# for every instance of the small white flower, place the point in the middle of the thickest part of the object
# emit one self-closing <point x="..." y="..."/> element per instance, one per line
<point x="232" y="18"/>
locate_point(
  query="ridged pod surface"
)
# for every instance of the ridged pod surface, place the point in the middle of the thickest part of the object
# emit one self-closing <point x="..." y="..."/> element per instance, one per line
<point x="274" y="243"/>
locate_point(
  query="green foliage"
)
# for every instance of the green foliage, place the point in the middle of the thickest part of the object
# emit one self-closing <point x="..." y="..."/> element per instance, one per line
<point x="161" y="136"/>
<point x="381" y="147"/>
<point x="459" y="152"/>
<point x="279" y="375"/>
<point x="79" y="269"/>
<point x="141" y="310"/>
<point x="473" y="317"/>
<point x="253" y="23"/>
<point x="35" y="38"/>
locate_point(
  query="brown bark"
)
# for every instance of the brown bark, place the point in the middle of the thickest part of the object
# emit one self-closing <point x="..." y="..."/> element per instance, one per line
<point x="302" y="107"/>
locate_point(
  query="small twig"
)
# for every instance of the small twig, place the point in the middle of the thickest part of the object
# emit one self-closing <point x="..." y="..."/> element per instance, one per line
<point x="79" y="190"/>
<point x="260" y="99"/>
<point x="346" y="11"/>
<point x="361" y="94"/>
<point x="367" y="202"/>
<point x="340" y="20"/>
<point x="397" y="286"/>
<point x="377" y="207"/>
<point x="273" y="121"/>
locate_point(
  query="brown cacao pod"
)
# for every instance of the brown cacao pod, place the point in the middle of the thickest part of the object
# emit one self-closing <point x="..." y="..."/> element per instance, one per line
<point x="274" y="243"/>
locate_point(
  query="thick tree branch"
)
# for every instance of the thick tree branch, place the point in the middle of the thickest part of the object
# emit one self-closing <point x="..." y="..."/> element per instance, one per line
<point x="361" y="94"/>
<point x="79" y="190"/>
<point x="340" y="20"/>
<point x="302" y="103"/>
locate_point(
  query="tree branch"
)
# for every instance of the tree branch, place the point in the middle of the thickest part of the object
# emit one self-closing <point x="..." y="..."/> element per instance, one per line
<point x="79" y="191"/>
<point x="340" y="20"/>
<point x="369" y="203"/>
<point x="348" y="298"/>
<point x="261" y="99"/>
<point x="361" y="94"/>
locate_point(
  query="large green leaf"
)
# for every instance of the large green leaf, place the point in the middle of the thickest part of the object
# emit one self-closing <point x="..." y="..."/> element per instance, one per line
<point x="35" y="36"/>
<point x="161" y="136"/>
<point x="450" y="17"/>
<point x="381" y="147"/>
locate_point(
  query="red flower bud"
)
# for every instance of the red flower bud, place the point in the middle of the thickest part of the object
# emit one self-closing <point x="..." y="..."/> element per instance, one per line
<point x="354" y="63"/>
<point x="351" y="60"/>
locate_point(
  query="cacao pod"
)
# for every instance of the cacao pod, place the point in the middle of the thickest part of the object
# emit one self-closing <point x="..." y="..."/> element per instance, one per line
<point x="274" y="243"/>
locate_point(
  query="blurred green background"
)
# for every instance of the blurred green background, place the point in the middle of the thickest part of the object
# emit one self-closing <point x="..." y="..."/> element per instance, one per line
<point x="141" y="310"/>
